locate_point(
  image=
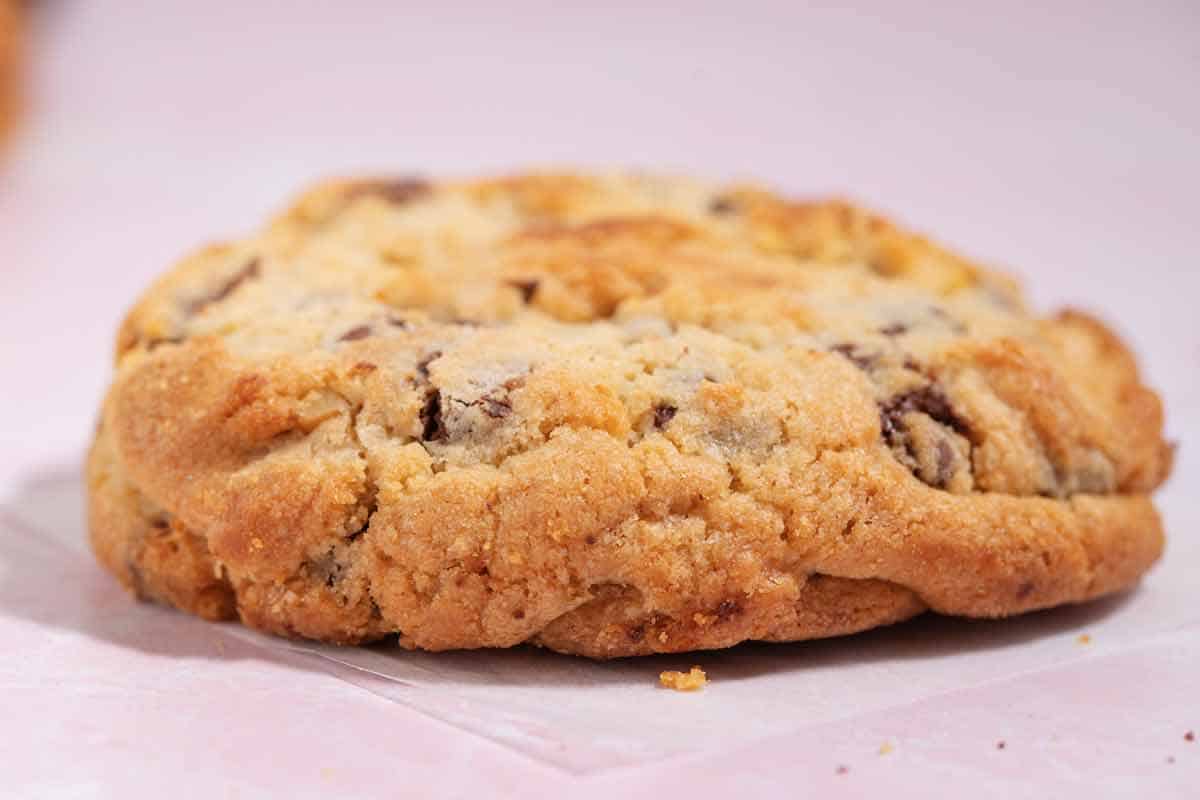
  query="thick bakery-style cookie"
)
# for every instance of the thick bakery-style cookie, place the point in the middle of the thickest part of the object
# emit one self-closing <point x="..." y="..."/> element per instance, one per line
<point x="611" y="416"/>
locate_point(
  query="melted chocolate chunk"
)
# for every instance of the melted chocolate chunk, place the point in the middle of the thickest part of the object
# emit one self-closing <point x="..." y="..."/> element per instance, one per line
<point x="494" y="407"/>
<point x="938" y="468"/>
<point x="722" y="205"/>
<point x="894" y="329"/>
<point x="663" y="414"/>
<point x="863" y="361"/>
<point x="398" y="191"/>
<point x="248" y="272"/>
<point x="527" y="288"/>
<point x="356" y="333"/>
<point x="423" y="364"/>
<point x="433" y="427"/>
<point x="928" y="400"/>
<point x="946" y="459"/>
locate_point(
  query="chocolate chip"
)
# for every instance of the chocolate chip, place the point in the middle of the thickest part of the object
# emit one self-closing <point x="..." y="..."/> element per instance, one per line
<point x="250" y="271"/>
<point x="590" y="539"/>
<point x="433" y="428"/>
<point x="527" y="288"/>
<point x="1024" y="590"/>
<point x="928" y="400"/>
<point x="397" y="322"/>
<point x="938" y="468"/>
<point x="946" y="459"/>
<point x="519" y="614"/>
<point x="727" y="609"/>
<point x="398" y="191"/>
<point x="861" y="360"/>
<point x="894" y="329"/>
<point x="722" y="205"/>
<point x="663" y="414"/>
<point x="423" y="364"/>
<point x="637" y="633"/>
<point x="356" y="333"/>
<point x="494" y="407"/>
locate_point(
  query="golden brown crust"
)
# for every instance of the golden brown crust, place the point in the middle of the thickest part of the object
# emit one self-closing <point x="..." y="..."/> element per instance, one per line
<point x="612" y="416"/>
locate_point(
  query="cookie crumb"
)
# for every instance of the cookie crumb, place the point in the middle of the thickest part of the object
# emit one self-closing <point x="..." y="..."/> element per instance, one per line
<point x="688" y="681"/>
<point x="1083" y="638"/>
<point x="1000" y="745"/>
<point x="1170" y="759"/>
<point x="885" y="748"/>
<point x="1190" y="736"/>
<point x="841" y="770"/>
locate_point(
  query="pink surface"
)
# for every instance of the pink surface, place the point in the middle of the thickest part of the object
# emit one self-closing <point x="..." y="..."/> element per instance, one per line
<point x="1060" y="143"/>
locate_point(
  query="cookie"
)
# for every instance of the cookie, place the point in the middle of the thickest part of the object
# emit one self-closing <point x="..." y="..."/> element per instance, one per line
<point x="612" y="416"/>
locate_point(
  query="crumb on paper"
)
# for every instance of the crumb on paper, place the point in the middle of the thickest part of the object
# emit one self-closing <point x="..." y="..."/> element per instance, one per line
<point x="688" y="681"/>
<point x="1170" y="759"/>
<point x="1000" y="745"/>
<point x="885" y="748"/>
<point x="842" y="769"/>
<point x="327" y="773"/>
<point x="1083" y="638"/>
<point x="1190" y="736"/>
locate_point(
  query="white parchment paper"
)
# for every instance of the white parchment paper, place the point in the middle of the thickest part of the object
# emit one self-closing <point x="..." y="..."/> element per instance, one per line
<point x="586" y="716"/>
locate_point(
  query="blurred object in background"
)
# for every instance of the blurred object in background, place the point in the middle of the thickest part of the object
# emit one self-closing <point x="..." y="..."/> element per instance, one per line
<point x="11" y="46"/>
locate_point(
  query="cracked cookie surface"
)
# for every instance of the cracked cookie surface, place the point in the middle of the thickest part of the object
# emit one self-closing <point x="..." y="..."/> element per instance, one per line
<point x="611" y="415"/>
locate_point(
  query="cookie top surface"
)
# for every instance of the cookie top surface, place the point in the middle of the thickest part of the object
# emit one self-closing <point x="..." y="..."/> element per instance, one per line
<point x="448" y="363"/>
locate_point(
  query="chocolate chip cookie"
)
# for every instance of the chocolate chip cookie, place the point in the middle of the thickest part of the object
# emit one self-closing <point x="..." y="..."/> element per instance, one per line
<point x="611" y="415"/>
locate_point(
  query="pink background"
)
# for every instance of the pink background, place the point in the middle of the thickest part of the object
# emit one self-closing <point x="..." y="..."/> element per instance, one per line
<point x="1063" y="144"/>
